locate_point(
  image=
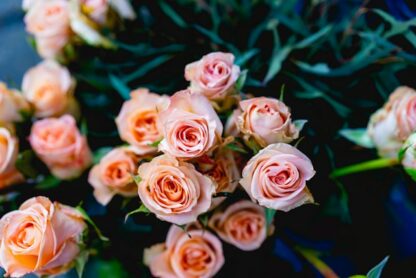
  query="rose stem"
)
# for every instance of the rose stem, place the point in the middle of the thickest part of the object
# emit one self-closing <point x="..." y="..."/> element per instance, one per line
<point x="364" y="166"/>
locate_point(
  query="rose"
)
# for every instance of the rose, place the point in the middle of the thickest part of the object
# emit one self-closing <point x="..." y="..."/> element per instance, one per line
<point x="214" y="75"/>
<point x="243" y="224"/>
<point x="190" y="126"/>
<point x="267" y="121"/>
<point x="231" y="126"/>
<point x="96" y="10"/>
<point x="49" y="87"/>
<point x="408" y="156"/>
<point x="196" y="253"/>
<point x="276" y="177"/>
<point x="60" y="145"/>
<point x="138" y="121"/>
<point x="113" y="175"/>
<point x="223" y="170"/>
<point x="12" y="104"/>
<point x="41" y="237"/>
<point x="48" y="22"/>
<point x="8" y="155"/>
<point x="173" y="190"/>
<point x="390" y="126"/>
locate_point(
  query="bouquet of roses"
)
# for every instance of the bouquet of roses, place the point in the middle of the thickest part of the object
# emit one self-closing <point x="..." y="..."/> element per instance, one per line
<point x="185" y="156"/>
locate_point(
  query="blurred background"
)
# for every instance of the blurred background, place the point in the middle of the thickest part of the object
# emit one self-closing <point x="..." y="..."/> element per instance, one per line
<point x="338" y="60"/>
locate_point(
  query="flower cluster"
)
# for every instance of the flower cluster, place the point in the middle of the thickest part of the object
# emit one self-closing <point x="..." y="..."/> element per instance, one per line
<point x="183" y="156"/>
<point x="58" y="24"/>
<point x="188" y="164"/>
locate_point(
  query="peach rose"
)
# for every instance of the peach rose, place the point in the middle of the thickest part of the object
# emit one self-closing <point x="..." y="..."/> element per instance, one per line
<point x="12" y="103"/>
<point x="173" y="190"/>
<point x="190" y="126"/>
<point x="267" y="121"/>
<point x="276" y="177"/>
<point x="223" y="170"/>
<point x="48" y="21"/>
<point x="138" y="121"/>
<point x="41" y="237"/>
<point x="390" y="126"/>
<point x="196" y="253"/>
<point x="243" y="224"/>
<point x="214" y="75"/>
<point x="49" y="87"/>
<point x="8" y="155"/>
<point x="114" y="175"/>
<point x="96" y="10"/>
<point x="60" y="145"/>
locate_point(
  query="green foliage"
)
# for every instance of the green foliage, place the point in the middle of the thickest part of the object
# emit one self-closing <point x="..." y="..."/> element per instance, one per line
<point x="358" y="136"/>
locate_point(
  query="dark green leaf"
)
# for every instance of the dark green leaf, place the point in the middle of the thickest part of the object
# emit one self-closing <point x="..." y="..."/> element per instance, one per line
<point x="172" y="14"/>
<point x="241" y="80"/>
<point x="24" y="164"/>
<point x="358" y="136"/>
<point x="146" y="67"/>
<point x="236" y="148"/>
<point x="81" y="261"/>
<point x="89" y="221"/>
<point x="48" y="182"/>
<point x="378" y="269"/>
<point x="270" y="213"/>
<point x="120" y="86"/>
<point x="141" y="209"/>
<point x="100" y="153"/>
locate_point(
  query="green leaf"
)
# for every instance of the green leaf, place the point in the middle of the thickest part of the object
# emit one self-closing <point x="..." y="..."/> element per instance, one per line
<point x="246" y="56"/>
<point x="282" y="92"/>
<point x="203" y="220"/>
<point x="222" y="194"/>
<point x="120" y="86"/>
<point x="137" y="179"/>
<point x="411" y="172"/>
<point x="100" y="153"/>
<point x="24" y="164"/>
<point x="111" y="268"/>
<point x="311" y="39"/>
<point x="145" y="68"/>
<point x="241" y="80"/>
<point x="155" y="144"/>
<point x="375" y="272"/>
<point x="89" y="221"/>
<point x="141" y="209"/>
<point x="270" y="213"/>
<point x="299" y="124"/>
<point x="81" y="261"/>
<point x="358" y="136"/>
<point x="172" y="14"/>
<point x="278" y="57"/>
<point x="48" y="182"/>
<point x="236" y="148"/>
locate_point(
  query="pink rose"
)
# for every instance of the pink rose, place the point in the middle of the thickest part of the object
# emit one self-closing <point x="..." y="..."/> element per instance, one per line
<point x="214" y="75"/>
<point x="223" y="170"/>
<point x="276" y="177"/>
<point x="114" y="175"/>
<point x="243" y="224"/>
<point x="49" y="87"/>
<point x="12" y="103"/>
<point x="60" y="145"/>
<point x="173" y="190"/>
<point x="41" y="237"/>
<point x="48" y="21"/>
<point x="267" y="121"/>
<point x="231" y="126"/>
<point x="138" y="121"/>
<point x="8" y="155"/>
<point x="390" y="126"/>
<point x="196" y="253"/>
<point x="190" y="126"/>
<point x="409" y="156"/>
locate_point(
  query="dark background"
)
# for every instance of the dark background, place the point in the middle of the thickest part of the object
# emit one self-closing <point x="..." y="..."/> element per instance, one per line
<point x="358" y="223"/>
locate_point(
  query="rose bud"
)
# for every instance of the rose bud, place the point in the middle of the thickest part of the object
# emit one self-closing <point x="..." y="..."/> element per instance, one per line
<point x="114" y="175"/>
<point x="12" y="104"/>
<point x="243" y="224"/>
<point x="173" y="190"/>
<point x="49" y="87"/>
<point x="390" y="126"/>
<point x="196" y="253"/>
<point x="40" y="237"/>
<point x="190" y="126"/>
<point x="60" y="145"/>
<point x="276" y="177"/>
<point x="8" y="155"/>
<point x="138" y="121"/>
<point x="267" y="121"/>
<point x="214" y="75"/>
<point x="96" y="10"/>
<point x="223" y="170"/>
<point x="48" y="21"/>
